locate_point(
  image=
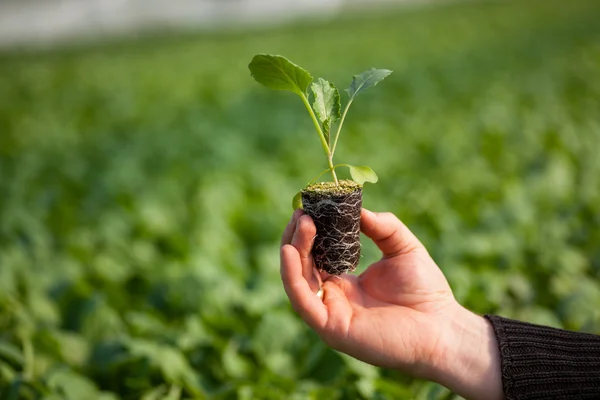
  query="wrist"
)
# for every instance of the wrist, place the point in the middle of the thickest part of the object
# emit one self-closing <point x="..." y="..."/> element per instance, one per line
<point x="467" y="360"/>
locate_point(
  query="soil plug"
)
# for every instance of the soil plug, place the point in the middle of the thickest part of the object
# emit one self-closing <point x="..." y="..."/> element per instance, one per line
<point x="335" y="210"/>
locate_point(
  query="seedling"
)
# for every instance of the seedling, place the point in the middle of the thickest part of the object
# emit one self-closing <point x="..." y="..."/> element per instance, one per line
<point x="334" y="206"/>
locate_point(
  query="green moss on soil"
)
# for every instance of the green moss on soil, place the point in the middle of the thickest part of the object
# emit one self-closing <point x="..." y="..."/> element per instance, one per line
<point x="344" y="187"/>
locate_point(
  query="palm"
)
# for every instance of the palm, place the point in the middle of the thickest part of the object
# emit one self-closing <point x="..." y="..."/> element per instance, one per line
<point x="392" y="309"/>
<point x="409" y="280"/>
<point x="388" y="311"/>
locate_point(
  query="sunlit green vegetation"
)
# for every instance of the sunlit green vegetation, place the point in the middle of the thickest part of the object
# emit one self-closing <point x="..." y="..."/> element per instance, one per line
<point x="144" y="186"/>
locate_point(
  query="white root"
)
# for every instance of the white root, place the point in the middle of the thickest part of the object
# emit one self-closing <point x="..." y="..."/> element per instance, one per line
<point x="337" y="245"/>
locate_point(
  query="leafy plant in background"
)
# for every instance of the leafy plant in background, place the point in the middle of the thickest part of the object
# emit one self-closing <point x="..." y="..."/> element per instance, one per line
<point x="136" y="257"/>
<point x="334" y="207"/>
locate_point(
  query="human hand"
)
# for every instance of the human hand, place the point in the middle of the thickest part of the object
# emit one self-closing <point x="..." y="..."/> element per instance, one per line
<point x="399" y="313"/>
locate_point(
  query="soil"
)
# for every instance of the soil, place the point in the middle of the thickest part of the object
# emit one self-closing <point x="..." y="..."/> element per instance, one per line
<point x="335" y="210"/>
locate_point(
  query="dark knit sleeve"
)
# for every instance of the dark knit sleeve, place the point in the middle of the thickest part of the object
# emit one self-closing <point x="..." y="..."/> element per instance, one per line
<point x="540" y="362"/>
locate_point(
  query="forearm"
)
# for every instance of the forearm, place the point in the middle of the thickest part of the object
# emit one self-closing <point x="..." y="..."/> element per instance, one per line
<point x="468" y="361"/>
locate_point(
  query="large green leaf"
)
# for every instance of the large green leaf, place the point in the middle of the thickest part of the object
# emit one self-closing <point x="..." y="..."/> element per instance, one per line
<point x="72" y="385"/>
<point x="171" y="361"/>
<point x="366" y="80"/>
<point x="326" y="104"/>
<point x="361" y="174"/>
<point x="279" y="73"/>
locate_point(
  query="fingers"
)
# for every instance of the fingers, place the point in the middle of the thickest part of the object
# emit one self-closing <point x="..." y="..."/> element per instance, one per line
<point x="286" y="238"/>
<point x="303" y="299"/>
<point x="302" y="281"/>
<point x="389" y="233"/>
<point x="339" y="311"/>
<point x="302" y="240"/>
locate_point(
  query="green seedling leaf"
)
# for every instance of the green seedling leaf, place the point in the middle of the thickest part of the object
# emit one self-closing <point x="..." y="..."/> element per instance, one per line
<point x="361" y="174"/>
<point x="366" y="80"/>
<point x="327" y="104"/>
<point x="297" y="201"/>
<point x="279" y="73"/>
<point x="360" y="83"/>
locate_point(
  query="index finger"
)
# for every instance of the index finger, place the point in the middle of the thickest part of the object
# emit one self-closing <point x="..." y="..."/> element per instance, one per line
<point x="286" y="237"/>
<point x="304" y="301"/>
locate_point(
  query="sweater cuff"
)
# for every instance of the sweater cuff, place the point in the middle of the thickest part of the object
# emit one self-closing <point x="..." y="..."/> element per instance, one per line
<point x="546" y="363"/>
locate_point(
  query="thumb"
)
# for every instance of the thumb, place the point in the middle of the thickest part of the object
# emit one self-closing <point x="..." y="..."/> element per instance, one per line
<point x="389" y="233"/>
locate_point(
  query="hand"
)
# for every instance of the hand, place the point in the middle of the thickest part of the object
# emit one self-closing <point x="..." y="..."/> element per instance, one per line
<point x="399" y="313"/>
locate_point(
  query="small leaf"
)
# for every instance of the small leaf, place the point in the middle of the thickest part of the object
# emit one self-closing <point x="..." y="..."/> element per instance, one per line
<point x="361" y="174"/>
<point x="366" y="80"/>
<point x="72" y="385"/>
<point x="279" y="73"/>
<point x="327" y="104"/>
<point x="297" y="201"/>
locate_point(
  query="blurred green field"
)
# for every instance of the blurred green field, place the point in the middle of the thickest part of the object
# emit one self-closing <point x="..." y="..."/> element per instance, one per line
<point x="144" y="186"/>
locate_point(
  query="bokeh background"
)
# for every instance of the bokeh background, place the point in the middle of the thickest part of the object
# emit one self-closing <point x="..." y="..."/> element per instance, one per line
<point x="145" y="180"/>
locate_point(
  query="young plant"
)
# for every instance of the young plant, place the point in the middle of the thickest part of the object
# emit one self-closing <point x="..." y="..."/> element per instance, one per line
<point x="334" y="206"/>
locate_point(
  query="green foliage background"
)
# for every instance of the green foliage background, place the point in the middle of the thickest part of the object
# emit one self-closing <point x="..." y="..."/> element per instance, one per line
<point x="144" y="186"/>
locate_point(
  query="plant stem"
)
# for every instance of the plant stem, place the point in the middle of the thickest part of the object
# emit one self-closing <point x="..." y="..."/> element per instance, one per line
<point x="326" y="171"/>
<point x="339" y="129"/>
<point x="328" y="153"/>
<point x="332" y="169"/>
